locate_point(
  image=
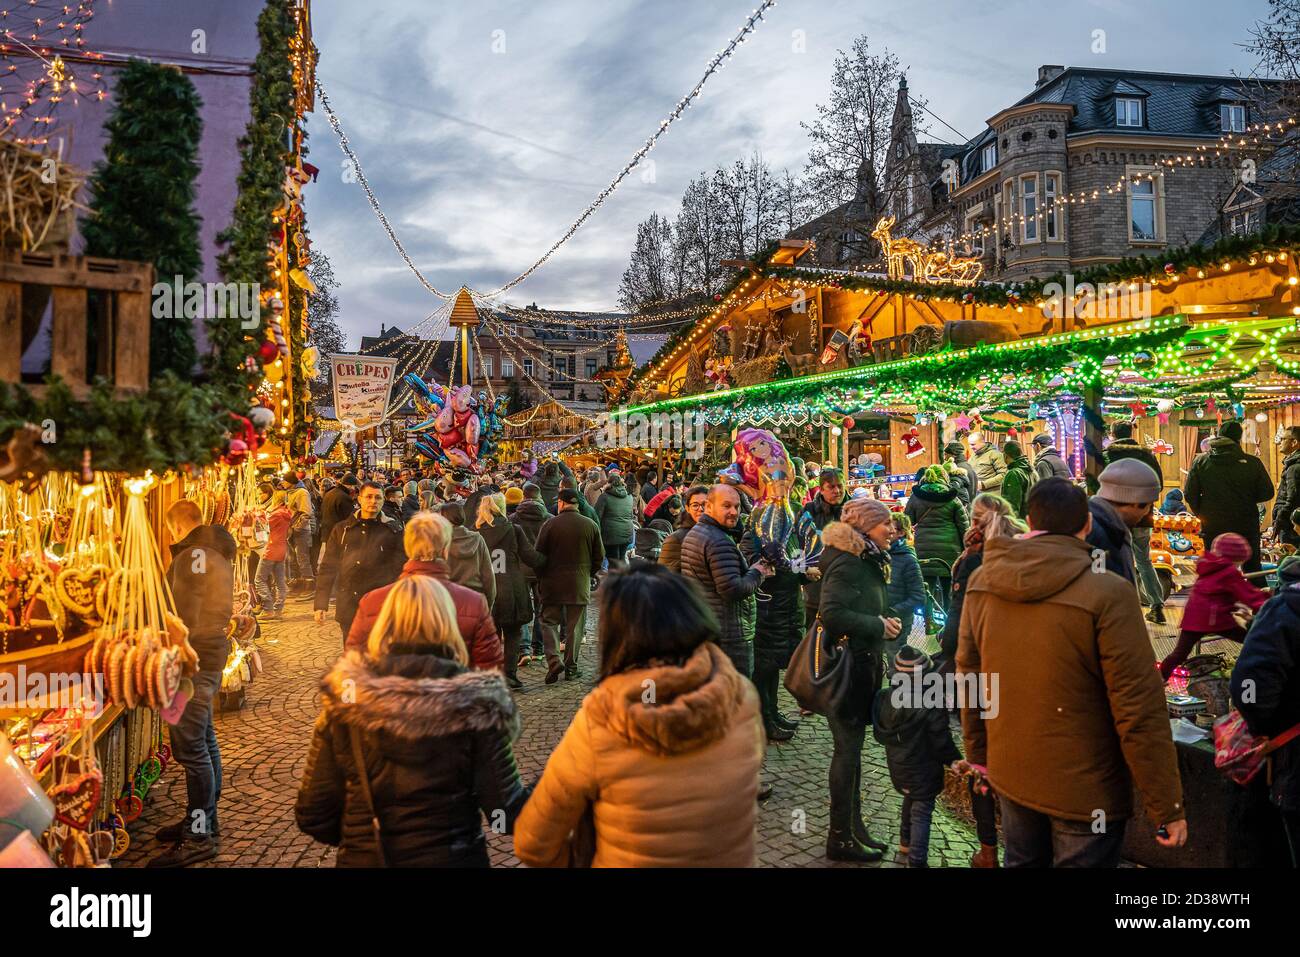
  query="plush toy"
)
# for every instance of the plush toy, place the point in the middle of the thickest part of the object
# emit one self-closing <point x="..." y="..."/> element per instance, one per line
<point x="912" y="443"/>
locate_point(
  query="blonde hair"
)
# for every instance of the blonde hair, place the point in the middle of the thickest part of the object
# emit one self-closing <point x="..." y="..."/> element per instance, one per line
<point x="418" y="611"/>
<point x="993" y="516"/>
<point x="426" y="537"/>
<point x="490" y="506"/>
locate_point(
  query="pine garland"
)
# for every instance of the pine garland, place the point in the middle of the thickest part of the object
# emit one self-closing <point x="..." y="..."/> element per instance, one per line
<point x="265" y="153"/>
<point x="143" y="194"/>
<point x="175" y="423"/>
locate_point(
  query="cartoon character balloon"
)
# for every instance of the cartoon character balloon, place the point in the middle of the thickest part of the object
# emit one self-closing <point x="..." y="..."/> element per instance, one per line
<point x="457" y="428"/>
<point x="767" y="475"/>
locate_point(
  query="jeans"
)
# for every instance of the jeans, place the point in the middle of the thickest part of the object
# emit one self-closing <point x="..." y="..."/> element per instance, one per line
<point x="511" y="638"/>
<point x="1149" y="586"/>
<point x="616" y="556"/>
<point x="194" y="745"/>
<point x="914" y="830"/>
<point x="271" y="586"/>
<point x="300" y="554"/>
<point x="1034" y="839"/>
<point x="568" y="618"/>
<point x="535" y="637"/>
<point x="846" y="771"/>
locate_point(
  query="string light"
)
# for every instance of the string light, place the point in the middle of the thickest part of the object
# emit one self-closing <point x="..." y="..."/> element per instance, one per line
<point x="714" y="65"/>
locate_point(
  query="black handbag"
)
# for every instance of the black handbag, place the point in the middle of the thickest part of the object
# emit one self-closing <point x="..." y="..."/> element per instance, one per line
<point x="820" y="674"/>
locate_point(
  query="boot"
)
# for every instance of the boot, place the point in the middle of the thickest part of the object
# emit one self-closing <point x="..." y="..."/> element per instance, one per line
<point x="171" y="833"/>
<point x="1156" y="615"/>
<point x="986" y="856"/>
<point x="775" y="732"/>
<point x="859" y="826"/>
<point x="841" y="845"/>
<point x="191" y="850"/>
<point x="781" y="721"/>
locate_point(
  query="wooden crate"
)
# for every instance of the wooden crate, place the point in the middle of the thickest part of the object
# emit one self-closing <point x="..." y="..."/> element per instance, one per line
<point x="121" y="319"/>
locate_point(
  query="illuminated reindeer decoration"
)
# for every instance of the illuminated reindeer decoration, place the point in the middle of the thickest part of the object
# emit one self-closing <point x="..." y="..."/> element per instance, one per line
<point x="927" y="265"/>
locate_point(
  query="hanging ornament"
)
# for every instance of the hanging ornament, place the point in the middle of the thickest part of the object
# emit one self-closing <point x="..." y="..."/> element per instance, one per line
<point x="1165" y="405"/>
<point x="1138" y="409"/>
<point x="912" y="444"/>
<point x="1170" y="269"/>
<point x="276" y="324"/>
<point x="1239" y="410"/>
<point x="268" y="350"/>
<point x="1261" y="416"/>
<point x="1210" y="406"/>
<point x="848" y="422"/>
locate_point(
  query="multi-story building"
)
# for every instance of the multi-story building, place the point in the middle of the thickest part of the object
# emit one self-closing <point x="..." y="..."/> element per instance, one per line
<point x="1096" y="165"/>
<point x="1089" y="167"/>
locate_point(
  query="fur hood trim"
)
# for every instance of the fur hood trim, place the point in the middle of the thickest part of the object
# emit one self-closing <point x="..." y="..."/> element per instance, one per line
<point x="692" y="705"/>
<point x="417" y="696"/>
<point x="845" y="537"/>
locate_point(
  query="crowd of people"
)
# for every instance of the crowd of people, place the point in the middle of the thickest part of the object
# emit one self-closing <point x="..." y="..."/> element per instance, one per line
<point x="1030" y="591"/>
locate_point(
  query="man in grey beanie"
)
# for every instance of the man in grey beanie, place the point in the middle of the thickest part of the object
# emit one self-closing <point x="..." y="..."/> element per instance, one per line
<point x="1128" y="491"/>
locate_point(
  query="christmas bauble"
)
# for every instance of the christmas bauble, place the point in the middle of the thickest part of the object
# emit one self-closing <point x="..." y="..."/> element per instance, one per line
<point x="267" y="351"/>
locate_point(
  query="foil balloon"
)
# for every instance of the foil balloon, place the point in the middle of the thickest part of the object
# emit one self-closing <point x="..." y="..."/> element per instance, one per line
<point x="767" y="474"/>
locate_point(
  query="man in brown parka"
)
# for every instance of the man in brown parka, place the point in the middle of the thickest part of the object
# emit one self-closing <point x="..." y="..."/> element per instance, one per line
<point x="1073" y="711"/>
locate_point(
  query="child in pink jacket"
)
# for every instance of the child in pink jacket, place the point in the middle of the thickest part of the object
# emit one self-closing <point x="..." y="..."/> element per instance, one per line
<point x="1219" y="588"/>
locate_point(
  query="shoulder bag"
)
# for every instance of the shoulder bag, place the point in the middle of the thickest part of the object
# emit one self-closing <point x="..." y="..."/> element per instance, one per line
<point x="820" y="673"/>
<point x="355" y="737"/>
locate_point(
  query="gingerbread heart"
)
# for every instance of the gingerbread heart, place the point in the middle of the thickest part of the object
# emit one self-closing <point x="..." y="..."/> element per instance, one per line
<point x="169" y="675"/>
<point x="76" y="588"/>
<point x="76" y="801"/>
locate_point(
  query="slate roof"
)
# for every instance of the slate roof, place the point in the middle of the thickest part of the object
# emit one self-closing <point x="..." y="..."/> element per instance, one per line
<point x="1176" y="104"/>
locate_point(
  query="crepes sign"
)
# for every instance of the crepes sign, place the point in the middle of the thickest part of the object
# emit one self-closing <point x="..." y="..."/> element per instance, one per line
<point x="363" y="386"/>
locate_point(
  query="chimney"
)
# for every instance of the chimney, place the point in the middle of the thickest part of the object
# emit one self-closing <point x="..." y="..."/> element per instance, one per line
<point x="381" y="330"/>
<point x="1047" y="73"/>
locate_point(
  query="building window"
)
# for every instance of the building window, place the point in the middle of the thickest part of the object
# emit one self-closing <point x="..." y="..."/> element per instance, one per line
<point x="507" y="367"/>
<point x="528" y="367"/>
<point x="1232" y="117"/>
<point x="1128" y="111"/>
<point x="1007" y="214"/>
<point x="1051" y="190"/>
<point x="591" y="368"/>
<point x="989" y="157"/>
<point x="1029" y="208"/>
<point x="1245" y="222"/>
<point x="1146" y="215"/>
<point x="560" y="366"/>
<point x="487" y="366"/>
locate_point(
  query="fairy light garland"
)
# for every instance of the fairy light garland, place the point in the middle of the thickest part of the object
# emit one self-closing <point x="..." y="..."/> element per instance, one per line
<point x="683" y="104"/>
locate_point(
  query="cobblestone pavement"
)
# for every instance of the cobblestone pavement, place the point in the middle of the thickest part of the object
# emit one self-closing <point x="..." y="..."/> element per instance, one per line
<point x="264" y="747"/>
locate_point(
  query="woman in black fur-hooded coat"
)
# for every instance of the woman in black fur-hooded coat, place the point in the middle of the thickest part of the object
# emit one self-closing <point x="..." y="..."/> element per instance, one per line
<point x="435" y="739"/>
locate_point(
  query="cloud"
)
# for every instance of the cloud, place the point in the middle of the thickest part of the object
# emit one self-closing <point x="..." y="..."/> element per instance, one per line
<point x="483" y="158"/>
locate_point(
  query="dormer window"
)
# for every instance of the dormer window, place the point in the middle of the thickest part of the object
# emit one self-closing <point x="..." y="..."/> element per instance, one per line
<point x="989" y="157"/>
<point x="1128" y="111"/>
<point x="1232" y="117"/>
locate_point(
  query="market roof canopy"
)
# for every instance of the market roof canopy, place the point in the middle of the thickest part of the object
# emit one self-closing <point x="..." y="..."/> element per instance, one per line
<point x="1164" y="355"/>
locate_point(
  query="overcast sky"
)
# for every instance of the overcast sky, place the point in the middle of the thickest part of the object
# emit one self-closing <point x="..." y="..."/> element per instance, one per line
<point x="482" y="159"/>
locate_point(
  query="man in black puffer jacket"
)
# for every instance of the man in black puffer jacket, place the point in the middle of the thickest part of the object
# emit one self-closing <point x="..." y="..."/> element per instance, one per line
<point x="1266" y="690"/>
<point x="710" y="556"/>
<point x="436" y="743"/>
<point x="201" y="576"/>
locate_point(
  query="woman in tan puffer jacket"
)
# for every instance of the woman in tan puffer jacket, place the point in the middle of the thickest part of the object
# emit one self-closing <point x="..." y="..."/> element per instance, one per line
<point x="664" y="754"/>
